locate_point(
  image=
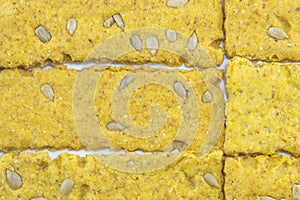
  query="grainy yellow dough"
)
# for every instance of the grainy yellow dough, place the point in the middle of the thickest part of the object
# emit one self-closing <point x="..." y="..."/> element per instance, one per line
<point x="19" y="46"/>
<point x="43" y="177"/>
<point x="253" y="177"/>
<point x="247" y="23"/>
<point x="30" y="120"/>
<point x="263" y="110"/>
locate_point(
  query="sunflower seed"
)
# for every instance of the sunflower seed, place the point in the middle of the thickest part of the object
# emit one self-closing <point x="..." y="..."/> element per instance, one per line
<point x="211" y="180"/>
<point x="13" y="179"/>
<point x="47" y="91"/>
<point x="152" y="44"/>
<point x="192" y="42"/>
<point x="266" y="198"/>
<point x="115" y="126"/>
<point x="125" y="82"/>
<point x="277" y="33"/>
<point x="178" y="144"/>
<point x="206" y="97"/>
<point x="257" y="63"/>
<point x="119" y="21"/>
<point x="136" y="42"/>
<point x="177" y="3"/>
<point x="180" y="90"/>
<point x="289" y="45"/>
<point x="71" y="25"/>
<point x="43" y="34"/>
<point x="38" y="198"/>
<point x="171" y="35"/>
<point x="66" y="186"/>
<point x="296" y="192"/>
<point x="108" y="22"/>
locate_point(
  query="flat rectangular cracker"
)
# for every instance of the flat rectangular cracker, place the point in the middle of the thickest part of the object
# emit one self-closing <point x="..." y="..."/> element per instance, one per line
<point x="263" y="109"/>
<point x="247" y="23"/>
<point x="42" y="177"/>
<point x="30" y="120"/>
<point x="19" y="45"/>
<point x="261" y="176"/>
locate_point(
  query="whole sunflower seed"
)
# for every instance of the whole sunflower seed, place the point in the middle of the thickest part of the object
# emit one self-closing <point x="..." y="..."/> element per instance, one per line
<point x="266" y="198"/>
<point x="108" y="22"/>
<point x="43" y="34"/>
<point x="192" y="42"/>
<point x="47" y="91"/>
<point x="180" y="90"/>
<point x="206" y="97"/>
<point x="171" y="35"/>
<point x="14" y="180"/>
<point x="136" y="42"/>
<point x="115" y="126"/>
<point x="119" y="20"/>
<point x="152" y="44"/>
<point x="66" y="186"/>
<point x="296" y="192"/>
<point x="178" y="144"/>
<point x="277" y="33"/>
<point x="71" y="25"/>
<point x="38" y="198"/>
<point x="177" y="3"/>
<point x="211" y="180"/>
<point x="125" y="82"/>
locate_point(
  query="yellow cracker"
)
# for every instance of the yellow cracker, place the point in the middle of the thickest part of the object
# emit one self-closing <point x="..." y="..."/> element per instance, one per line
<point x="42" y="178"/>
<point x="30" y="120"/>
<point x="263" y="110"/>
<point x="261" y="176"/>
<point x="247" y="24"/>
<point x="19" y="46"/>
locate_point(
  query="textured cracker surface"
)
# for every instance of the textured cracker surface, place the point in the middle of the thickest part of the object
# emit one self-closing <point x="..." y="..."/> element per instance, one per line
<point x="251" y="177"/>
<point x="19" y="46"/>
<point x="248" y="21"/>
<point x="263" y="110"/>
<point x="93" y="180"/>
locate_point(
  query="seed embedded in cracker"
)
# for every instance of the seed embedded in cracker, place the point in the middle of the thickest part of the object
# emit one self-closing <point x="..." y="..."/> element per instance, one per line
<point x="180" y="90"/>
<point x="192" y="42"/>
<point x="38" y="198"/>
<point x="115" y="126"/>
<point x="71" y="25"/>
<point x="66" y="186"/>
<point x="277" y="33"/>
<point x="171" y="35"/>
<point x="125" y="82"/>
<point x="296" y="192"/>
<point x="136" y="42"/>
<point x="119" y="21"/>
<point x="266" y="198"/>
<point x="47" y="91"/>
<point x="178" y="144"/>
<point x="177" y="3"/>
<point x="108" y="22"/>
<point x="14" y="180"/>
<point x="152" y="44"/>
<point x="211" y="180"/>
<point x="43" y="34"/>
<point x="206" y="97"/>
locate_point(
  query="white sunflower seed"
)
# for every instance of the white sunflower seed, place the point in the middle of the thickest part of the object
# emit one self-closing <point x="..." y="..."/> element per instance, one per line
<point x="43" y="34"/>
<point x="38" y="198"/>
<point x="258" y="63"/>
<point x="180" y="90"/>
<point x="211" y="180"/>
<point x="14" y="180"/>
<point x="296" y="192"/>
<point x="192" y="42"/>
<point x="289" y="45"/>
<point x="277" y="33"/>
<point x="71" y="25"/>
<point x="171" y="35"/>
<point x="125" y="82"/>
<point x="66" y="186"/>
<point x="266" y="198"/>
<point x="119" y="21"/>
<point x="47" y="91"/>
<point x="206" y="97"/>
<point x="136" y="42"/>
<point x="115" y="126"/>
<point x="177" y="3"/>
<point x="152" y="44"/>
<point x="108" y="22"/>
<point x="178" y="144"/>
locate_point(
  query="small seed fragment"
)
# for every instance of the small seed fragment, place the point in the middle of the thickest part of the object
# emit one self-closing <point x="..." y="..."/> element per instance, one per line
<point x="38" y="198"/>
<point x="115" y="126"/>
<point x="66" y="186"/>
<point x="211" y="180"/>
<point x="119" y="20"/>
<point x="206" y="97"/>
<point x="136" y="42"/>
<point x="108" y="22"/>
<point x="152" y="44"/>
<point x="125" y="82"/>
<point x="296" y="192"/>
<point x="192" y="42"/>
<point x="43" y="34"/>
<point x="277" y="33"/>
<point x="71" y="25"/>
<point x="171" y="35"/>
<point x="177" y="3"/>
<point x="257" y="63"/>
<point x="14" y="180"/>
<point x="180" y="90"/>
<point x="178" y="144"/>
<point x="47" y="91"/>
<point x="266" y="198"/>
